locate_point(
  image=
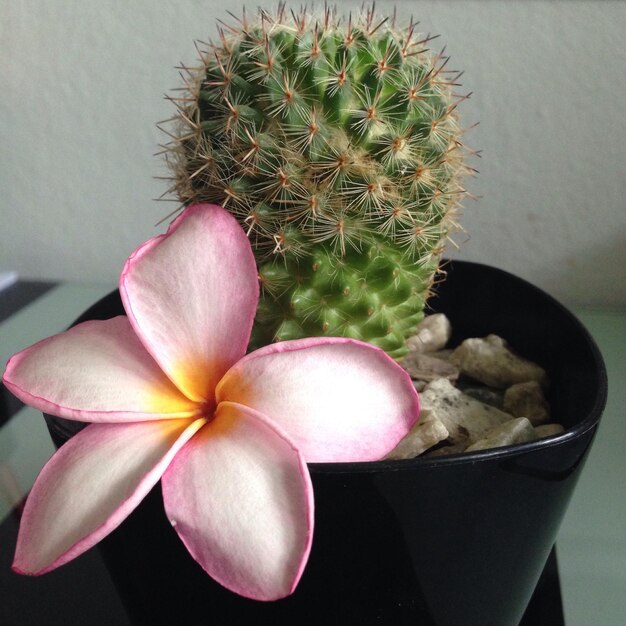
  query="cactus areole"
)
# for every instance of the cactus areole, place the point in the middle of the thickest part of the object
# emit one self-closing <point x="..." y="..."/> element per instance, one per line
<point x="336" y="144"/>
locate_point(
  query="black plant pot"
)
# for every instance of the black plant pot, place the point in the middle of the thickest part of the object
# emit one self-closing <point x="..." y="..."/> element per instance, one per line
<point x="458" y="540"/>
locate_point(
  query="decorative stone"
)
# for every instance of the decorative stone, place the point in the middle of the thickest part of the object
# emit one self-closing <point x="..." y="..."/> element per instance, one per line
<point x="419" y="385"/>
<point x="457" y="448"/>
<point x="467" y="420"/>
<point x="428" y="367"/>
<point x="432" y="334"/>
<point x="517" y="430"/>
<point x="527" y="400"/>
<point x="427" y="433"/>
<point x="498" y="399"/>
<point x="444" y="354"/>
<point x="548" y="430"/>
<point x="486" y="395"/>
<point x="490" y="361"/>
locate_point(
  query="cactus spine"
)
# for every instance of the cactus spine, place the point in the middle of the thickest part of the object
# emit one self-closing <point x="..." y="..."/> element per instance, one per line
<point x="336" y="144"/>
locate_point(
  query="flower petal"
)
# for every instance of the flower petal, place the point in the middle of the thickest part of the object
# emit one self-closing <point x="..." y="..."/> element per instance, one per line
<point x="338" y="399"/>
<point x="97" y="371"/>
<point x="240" y="497"/>
<point x="91" y="485"/>
<point x="191" y="296"/>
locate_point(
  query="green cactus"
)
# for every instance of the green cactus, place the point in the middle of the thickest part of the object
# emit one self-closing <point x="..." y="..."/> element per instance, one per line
<point x="336" y="144"/>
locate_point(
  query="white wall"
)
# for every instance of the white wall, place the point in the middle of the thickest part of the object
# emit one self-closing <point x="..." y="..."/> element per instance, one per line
<point x="82" y="85"/>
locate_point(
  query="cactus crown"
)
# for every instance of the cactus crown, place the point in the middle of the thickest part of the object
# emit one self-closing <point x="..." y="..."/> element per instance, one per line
<point x="336" y="143"/>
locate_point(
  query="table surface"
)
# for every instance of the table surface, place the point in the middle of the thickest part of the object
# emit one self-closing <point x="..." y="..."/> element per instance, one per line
<point x="591" y="543"/>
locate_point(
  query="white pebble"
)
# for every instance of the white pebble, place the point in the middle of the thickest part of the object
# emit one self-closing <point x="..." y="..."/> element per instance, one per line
<point x="519" y="430"/>
<point x="490" y="361"/>
<point x="527" y="400"/>
<point x="466" y="419"/>
<point x="548" y="430"/>
<point x="428" y="367"/>
<point x="428" y="432"/>
<point x="432" y="334"/>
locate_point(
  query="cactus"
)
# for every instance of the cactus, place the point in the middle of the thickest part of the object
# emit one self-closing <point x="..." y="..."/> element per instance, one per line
<point x="336" y="144"/>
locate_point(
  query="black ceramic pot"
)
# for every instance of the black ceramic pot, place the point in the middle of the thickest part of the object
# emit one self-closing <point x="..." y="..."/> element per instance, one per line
<point x="458" y="540"/>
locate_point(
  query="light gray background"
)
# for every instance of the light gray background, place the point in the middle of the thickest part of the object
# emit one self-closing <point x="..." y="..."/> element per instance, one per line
<point x="83" y="84"/>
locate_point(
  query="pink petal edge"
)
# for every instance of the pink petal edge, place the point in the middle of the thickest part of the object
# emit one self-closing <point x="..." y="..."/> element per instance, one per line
<point x="91" y="450"/>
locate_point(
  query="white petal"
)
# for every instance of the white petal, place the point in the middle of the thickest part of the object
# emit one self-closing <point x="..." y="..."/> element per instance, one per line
<point x="239" y="496"/>
<point x="191" y="296"/>
<point x="338" y="399"/>
<point x="97" y="371"/>
<point x="91" y="485"/>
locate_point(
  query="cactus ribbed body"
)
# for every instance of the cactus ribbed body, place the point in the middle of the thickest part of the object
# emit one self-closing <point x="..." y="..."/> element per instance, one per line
<point x="336" y="144"/>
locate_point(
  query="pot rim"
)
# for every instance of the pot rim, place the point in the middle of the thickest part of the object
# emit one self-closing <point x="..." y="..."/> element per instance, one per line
<point x="460" y="458"/>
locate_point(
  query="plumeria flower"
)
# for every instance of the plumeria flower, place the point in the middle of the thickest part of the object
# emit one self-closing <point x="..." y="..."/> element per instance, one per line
<point x="170" y="394"/>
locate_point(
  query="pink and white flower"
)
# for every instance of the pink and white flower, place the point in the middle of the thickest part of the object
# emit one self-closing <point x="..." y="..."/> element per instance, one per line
<point x="170" y="394"/>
